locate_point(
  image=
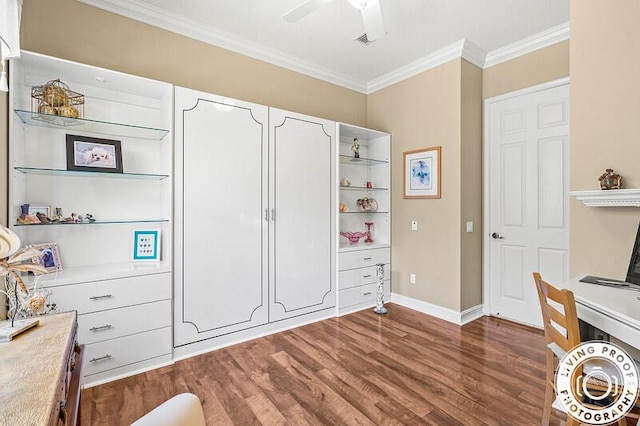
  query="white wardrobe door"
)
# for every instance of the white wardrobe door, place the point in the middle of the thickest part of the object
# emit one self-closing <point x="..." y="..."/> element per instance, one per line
<point x="302" y="164"/>
<point x="221" y="263"/>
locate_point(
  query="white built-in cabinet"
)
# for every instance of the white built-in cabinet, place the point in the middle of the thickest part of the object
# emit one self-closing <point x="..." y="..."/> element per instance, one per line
<point x="124" y="308"/>
<point x="255" y="209"/>
<point x="245" y="198"/>
<point x="363" y="177"/>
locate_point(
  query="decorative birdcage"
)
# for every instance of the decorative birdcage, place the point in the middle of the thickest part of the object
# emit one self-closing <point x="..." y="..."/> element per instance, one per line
<point x="55" y="98"/>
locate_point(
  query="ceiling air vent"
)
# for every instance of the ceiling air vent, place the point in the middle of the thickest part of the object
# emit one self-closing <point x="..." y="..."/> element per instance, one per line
<point x="363" y="39"/>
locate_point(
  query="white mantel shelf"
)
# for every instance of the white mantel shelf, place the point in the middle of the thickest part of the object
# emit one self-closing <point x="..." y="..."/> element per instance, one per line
<point x="609" y="198"/>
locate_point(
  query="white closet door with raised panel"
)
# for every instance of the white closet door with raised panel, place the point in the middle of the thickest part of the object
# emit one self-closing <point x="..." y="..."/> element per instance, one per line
<point x="221" y="278"/>
<point x="302" y="168"/>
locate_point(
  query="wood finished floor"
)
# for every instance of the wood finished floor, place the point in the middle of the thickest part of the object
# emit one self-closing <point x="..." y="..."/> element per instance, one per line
<point x="401" y="368"/>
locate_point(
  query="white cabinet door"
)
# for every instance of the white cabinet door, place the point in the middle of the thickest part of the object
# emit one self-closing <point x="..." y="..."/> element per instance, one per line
<point x="221" y="199"/>
<point x="301" y="227"/>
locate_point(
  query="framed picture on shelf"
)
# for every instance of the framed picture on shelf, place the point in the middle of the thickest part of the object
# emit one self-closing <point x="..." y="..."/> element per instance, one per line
<point x="50" y="258"/>
<point x="422" y="173"/>
<point x="146" y="245"/>
<point x="86" y="154"/>
<point x="45" y="210"/>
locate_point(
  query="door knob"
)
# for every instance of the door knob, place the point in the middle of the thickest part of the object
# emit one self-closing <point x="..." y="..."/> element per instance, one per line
<point x="497" y="236"/>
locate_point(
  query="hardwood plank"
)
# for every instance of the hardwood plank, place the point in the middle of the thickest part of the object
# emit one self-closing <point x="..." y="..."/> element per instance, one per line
<point x="401" y="368"/>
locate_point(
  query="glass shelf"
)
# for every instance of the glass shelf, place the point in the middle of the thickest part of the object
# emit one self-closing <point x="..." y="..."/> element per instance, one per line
<point x="59" y="172"/>
<point x="361" y="188"/>
<point x="97" y="222"/>
<point x="86" y="125"/>
<point x="347" y="159"/>
<point x="369" y="212"/>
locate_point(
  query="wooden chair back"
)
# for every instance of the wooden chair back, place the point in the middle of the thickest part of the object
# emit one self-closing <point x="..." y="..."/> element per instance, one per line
<point x="566" y="332"/>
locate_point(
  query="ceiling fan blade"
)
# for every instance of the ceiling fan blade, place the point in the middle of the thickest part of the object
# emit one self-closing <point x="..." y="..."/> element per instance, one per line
<point x="306" y="8"/>
<point x="372" y="19"/>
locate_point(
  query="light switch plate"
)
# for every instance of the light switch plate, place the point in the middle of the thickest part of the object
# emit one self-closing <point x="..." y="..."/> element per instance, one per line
<point x="412" y="278"/>
<point x="469" y="227"/>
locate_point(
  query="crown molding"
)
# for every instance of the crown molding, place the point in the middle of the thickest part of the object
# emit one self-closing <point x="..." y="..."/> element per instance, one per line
<point x="473" y="53"/>
<point x="160" y="18"/>
<point x="464" y="48"/>
<point x="439" y="57"/>
<point x="527" y="45"/>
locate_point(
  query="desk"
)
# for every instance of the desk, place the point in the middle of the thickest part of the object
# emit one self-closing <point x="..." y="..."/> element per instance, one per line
<point x="35" y="376"/>
<point x="615" y="311"/>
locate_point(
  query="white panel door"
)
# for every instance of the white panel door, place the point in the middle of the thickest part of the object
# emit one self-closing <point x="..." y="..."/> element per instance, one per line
<point x="528" y="214"/>
<point x="221" y="279"/>
<point x="302" y="226"/>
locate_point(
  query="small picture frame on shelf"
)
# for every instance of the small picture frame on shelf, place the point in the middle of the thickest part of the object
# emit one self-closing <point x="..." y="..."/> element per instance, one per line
<point x="45" y="210"/>
<point x="87" y="154"/>
<point x="50" y="258"/>
<point x="422" y="173"/>
<point x="146" y="245"/>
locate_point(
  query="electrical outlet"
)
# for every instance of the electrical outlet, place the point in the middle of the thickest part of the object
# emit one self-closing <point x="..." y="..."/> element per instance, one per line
<point x="412" y="278"/>
<point x="414" y="225"/>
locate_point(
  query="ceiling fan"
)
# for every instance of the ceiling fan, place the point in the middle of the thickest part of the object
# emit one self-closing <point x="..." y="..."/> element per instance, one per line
<point x="370" y="9"/>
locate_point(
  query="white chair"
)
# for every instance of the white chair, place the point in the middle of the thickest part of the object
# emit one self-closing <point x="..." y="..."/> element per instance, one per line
<point x="181" y="410"/>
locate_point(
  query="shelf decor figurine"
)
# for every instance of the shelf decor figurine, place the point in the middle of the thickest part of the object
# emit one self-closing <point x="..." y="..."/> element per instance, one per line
<point x="353" y="237"/>
<point x="610" y="180"/>
<point x="369" y="234"/>
<point x="13" y="261"/>
<point x="380" y="309"/>
<point x="55" y="98"/>
<point x="355" y="148"/>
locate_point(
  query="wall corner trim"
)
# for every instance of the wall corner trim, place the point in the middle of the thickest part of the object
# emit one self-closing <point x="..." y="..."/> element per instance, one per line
<point x="455" y="317"/>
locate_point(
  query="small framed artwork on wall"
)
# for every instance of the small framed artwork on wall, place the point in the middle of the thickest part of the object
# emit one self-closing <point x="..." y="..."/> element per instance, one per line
<point x="86" y="154"/>
<point x="422" y="173"/>
<point x="146" y="245"/>
<point x="50" y="258"/>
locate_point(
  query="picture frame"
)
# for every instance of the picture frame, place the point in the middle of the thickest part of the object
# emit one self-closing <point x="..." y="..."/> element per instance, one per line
<point x="87" y="154"/>
<point x="422" y="173"/>
<point x="50" y="258"/>
<point x="46" y="210"/>
<point x="146" y="245"/>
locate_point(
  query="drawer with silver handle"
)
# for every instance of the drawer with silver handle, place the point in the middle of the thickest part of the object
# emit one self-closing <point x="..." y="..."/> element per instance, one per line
<point x="114" y="353"/>
<point x="362" y="295"/>
<point x="104" y="325"/>
<point x="110" y="294"/>
<point x="356" y="277"/>
<point x="363" y="258"/>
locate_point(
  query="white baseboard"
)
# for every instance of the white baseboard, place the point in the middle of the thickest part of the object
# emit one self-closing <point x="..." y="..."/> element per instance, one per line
<point x="455" y="317"/>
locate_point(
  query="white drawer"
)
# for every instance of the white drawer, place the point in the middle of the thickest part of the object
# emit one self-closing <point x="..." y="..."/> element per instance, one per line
<point x="361" y="295"/>
<point x="102" y="295"/>
<point x="356" y="277"/>
<point x="103" y="356"/>
<point x="99" y="326"/>
<point x="363" y="258"/>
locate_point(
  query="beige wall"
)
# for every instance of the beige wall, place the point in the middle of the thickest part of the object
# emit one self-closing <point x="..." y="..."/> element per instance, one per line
<point x="605" y="129"/>
<point x="548" y="64"/>
<point x="471" y="187"/>
<point x="71" y="30"/>
<point x="421" y="112"/>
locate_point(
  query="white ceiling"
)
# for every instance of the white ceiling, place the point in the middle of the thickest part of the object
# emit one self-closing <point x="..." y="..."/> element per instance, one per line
<point x="322" y="44"/>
